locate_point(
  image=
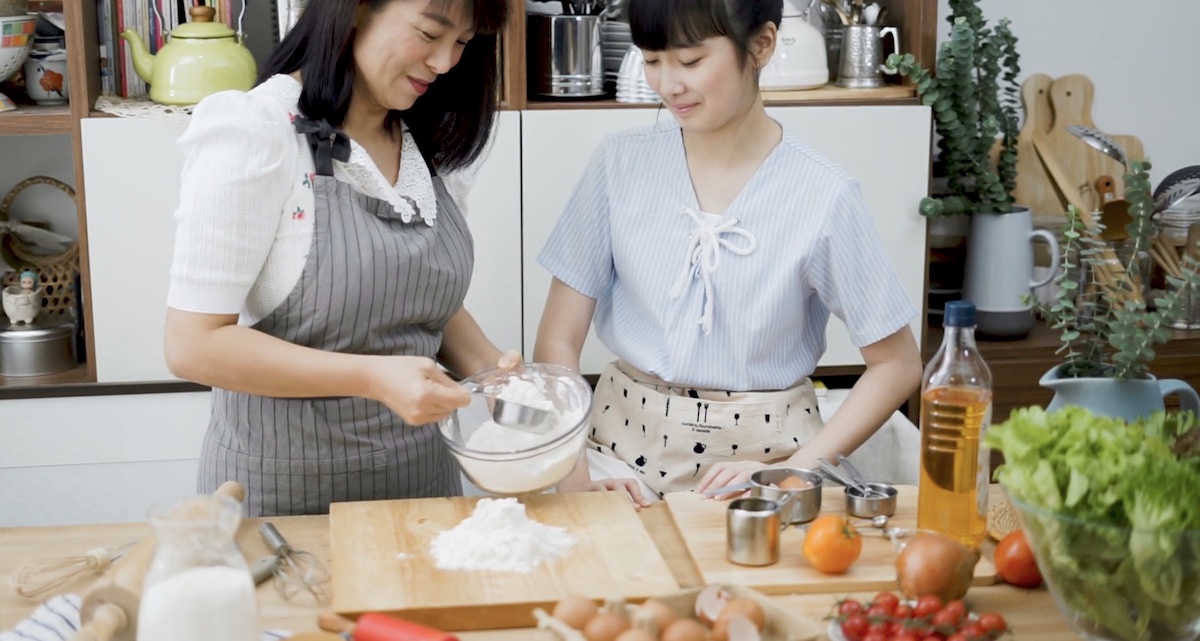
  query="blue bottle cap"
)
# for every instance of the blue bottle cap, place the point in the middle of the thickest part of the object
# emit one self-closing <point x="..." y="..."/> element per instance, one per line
<point x="959" y="313"/>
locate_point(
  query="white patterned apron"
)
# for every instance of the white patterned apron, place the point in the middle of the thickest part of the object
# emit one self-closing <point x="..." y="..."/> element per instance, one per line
<point x="670" y="436"/>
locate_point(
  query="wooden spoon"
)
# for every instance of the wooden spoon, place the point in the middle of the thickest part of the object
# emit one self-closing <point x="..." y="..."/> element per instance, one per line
<point x="1114" y="214"/>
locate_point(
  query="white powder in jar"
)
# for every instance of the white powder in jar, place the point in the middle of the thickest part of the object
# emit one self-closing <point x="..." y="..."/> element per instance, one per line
<point x="499" y="537"/>
<point x="200" y="604"/>
<point x="535" y="472"/>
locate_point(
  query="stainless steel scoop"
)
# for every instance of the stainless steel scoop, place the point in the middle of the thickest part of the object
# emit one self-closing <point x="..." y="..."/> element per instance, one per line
<point x="513" y="414"/>
<point x="1100" y="141"/>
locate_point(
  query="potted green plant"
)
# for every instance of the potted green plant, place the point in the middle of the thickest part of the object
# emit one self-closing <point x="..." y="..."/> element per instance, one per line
<point x="975" y="98"/>
<point x="1108" y="329"/>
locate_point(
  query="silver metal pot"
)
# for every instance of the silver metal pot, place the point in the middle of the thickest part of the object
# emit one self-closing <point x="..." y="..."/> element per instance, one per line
<point x="38" y="349"/>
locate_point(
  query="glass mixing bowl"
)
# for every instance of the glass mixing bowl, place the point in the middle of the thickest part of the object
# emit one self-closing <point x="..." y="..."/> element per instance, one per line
<point x="509" y="462"/>
<point x="1115" y="583"/>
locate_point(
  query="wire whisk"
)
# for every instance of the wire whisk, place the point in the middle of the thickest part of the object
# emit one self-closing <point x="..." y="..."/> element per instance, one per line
<point x="297" y="571"/>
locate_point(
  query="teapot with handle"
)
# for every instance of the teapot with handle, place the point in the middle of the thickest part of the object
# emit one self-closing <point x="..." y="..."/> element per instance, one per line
<point x="200" y="58"/>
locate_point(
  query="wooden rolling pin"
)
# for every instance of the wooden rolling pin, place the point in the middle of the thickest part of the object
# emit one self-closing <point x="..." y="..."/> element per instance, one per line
<point x="380" y="627"/>
<point x="110" y="610"/>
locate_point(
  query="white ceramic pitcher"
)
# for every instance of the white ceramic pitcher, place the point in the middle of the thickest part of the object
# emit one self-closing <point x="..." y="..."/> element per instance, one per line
<point x="999" y="273"/>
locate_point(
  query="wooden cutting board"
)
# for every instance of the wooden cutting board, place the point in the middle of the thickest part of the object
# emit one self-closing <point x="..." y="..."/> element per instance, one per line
<point x="1071" y="102"/>
<point x="702" y="523"/>
<point x="382" y="563"/>
<point x="1035" y="189"/>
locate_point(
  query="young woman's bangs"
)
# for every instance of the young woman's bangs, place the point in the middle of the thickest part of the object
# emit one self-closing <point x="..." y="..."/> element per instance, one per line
<point x="658" y="25"/>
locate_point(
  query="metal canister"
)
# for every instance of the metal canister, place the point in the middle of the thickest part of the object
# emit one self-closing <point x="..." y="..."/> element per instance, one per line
<point x="37" y="349"/>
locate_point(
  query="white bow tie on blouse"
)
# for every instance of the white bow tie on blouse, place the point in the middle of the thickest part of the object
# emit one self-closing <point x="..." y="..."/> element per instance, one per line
<point x="704" y="256"/>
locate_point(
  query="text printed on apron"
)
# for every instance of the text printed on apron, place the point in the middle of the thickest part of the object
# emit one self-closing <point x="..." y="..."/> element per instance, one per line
<point x="372" y="284"/>
<point x="670" y="437"/>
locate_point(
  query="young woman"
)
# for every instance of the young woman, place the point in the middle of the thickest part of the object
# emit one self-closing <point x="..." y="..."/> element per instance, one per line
<point x="710" y="252"/>
<point x="321" y="263"/>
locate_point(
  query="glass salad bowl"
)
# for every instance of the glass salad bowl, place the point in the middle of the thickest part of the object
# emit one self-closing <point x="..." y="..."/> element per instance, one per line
<point x="1115" y="583"/>
<point x="509" y="462"/>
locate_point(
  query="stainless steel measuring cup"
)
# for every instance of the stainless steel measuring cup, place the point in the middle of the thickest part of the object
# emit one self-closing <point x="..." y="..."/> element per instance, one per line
<point x="752" y="527"/>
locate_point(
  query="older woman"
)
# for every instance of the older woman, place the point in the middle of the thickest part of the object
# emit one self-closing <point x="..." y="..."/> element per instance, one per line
<point x="321" y="262"/>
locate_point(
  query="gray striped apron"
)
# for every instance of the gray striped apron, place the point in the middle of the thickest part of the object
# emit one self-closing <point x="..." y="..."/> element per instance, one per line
<point x="372" y="284"/>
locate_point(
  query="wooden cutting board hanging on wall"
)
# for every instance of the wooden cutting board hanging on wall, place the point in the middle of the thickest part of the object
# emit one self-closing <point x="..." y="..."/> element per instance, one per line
<point x="1071" y="101"/>
<point x="1035" y="189"/>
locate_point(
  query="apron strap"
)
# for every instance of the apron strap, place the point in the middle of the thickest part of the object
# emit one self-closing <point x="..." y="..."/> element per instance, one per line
<point x="327" y="143"/>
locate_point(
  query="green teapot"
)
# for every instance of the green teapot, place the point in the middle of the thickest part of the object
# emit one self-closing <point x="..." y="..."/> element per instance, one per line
<point x="200" y="58"/>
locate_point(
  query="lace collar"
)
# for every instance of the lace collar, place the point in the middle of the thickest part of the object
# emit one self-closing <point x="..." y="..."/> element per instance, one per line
<point x="412" y="195"/>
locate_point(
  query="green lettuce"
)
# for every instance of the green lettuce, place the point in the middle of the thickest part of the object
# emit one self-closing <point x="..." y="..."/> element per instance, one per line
<point x="1118" y="531"/>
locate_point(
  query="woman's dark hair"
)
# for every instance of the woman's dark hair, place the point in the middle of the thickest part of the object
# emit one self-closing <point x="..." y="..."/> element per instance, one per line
<point x="451" y="123"/>
<point x="658" y="25"/>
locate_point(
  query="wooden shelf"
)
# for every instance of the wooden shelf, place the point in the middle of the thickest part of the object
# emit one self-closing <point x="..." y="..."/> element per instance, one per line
<point x="76" y="376"/>
<point x="827" y="95"/>
<point x="36" y="120"/>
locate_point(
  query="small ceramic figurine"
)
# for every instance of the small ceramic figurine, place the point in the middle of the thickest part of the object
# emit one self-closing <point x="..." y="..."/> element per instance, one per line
<point x="23" y="302"/>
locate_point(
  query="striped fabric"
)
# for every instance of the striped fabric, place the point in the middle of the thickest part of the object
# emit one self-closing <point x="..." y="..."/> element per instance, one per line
<point x="797" y="245"/>
<point x="58" y="619"/>
<point x="373" y="284"/>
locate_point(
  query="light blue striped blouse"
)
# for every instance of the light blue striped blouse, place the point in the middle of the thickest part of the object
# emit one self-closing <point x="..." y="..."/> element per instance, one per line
<point x="735" y="302"/>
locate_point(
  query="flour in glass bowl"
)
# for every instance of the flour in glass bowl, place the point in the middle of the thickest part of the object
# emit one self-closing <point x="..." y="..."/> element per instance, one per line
<point x="500" y="537"/>
<point x="539" y="470"/>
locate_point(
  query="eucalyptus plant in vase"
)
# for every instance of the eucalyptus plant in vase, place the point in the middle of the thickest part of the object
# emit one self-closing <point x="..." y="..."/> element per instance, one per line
<point x="975" y="97"/>
<point x="1107" y="328"/>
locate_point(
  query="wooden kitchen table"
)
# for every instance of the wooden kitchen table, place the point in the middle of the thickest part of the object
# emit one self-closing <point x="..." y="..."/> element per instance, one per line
<point x="1031" y="615"/>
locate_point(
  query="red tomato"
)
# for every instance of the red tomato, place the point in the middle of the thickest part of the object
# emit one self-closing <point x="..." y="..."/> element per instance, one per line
<point x="879" y="627"/>
<point x="878" y="611"/>
<point x="887" y="600"/>
<point x="944" y="619"/>
<point x="855" y="627"/>
<point x="958" y="636"/>
<point x="903" y="612"/>
<point x="907" y="635"/>
<point x="875" y="636"/>
<point x="958" y="608"/>
<point x="993" y="624"/>
<point x="849" y="606"/>
<point x="927" y="606"/>
<point x="1015" y="563"/>
<point x="931" y="638"/>
<point x="895" y="627"/>
<point x="972" y="631"/>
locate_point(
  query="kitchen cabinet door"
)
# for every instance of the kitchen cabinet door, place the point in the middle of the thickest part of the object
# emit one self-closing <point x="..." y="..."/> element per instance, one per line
<point x="885" y="148"/>
<point x="131" y="168"/>
<point x="494" y="216"/>
<point x="556" y="146"/>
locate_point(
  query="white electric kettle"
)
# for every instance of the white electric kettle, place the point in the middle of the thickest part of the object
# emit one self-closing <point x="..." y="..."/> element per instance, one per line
<point x="799" y="61"/>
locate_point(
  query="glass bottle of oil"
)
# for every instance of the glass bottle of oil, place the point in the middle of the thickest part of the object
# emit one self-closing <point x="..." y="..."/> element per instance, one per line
<point x="956" y="409"/>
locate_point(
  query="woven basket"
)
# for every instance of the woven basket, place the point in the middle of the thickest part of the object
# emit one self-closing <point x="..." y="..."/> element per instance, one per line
<point x="56" y="272"/>
<point x="1002" y="519"/>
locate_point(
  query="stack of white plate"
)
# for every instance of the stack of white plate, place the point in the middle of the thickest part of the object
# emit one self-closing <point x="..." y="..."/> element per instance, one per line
<point x="631" y="83"/>
<point x="614" y="42"/>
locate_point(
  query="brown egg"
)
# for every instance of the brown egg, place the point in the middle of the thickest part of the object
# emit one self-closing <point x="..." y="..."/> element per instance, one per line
<point x="748" y="608"/>
<point x="794" y="483"/>
<point x="606" y="626"/>
<point x="662" y="613"/>
<point x="636" y="634"/>
<point x="735" y="628"/>
<point x="685" y="630"/>
<point x="575" y="610"/>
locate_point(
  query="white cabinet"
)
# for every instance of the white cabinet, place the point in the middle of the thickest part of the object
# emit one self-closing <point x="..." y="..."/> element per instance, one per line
<point x="132" y="171"/>
<point x="494" y="216"/>
<point x="885" y="148"/>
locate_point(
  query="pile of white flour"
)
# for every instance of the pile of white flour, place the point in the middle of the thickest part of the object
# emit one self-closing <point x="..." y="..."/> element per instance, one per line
<point x="536" y="472"/>
<point x="499" y="537"/>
